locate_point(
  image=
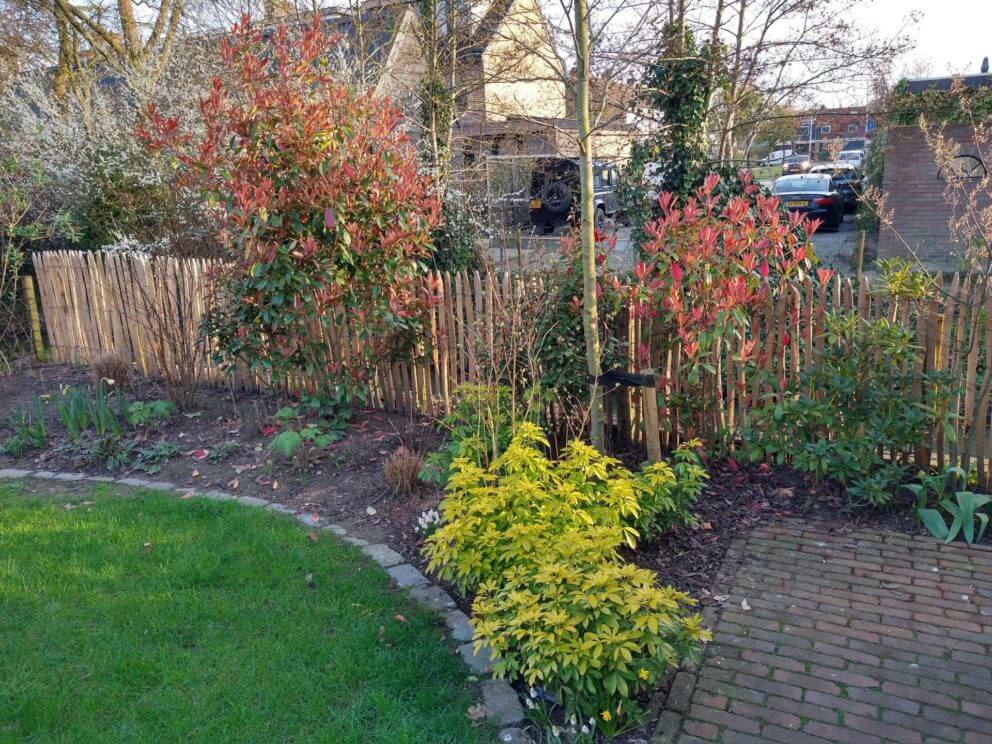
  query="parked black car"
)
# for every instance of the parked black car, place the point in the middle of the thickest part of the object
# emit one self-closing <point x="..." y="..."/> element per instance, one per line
<point x="847" y="180"/>
<point x="814" y="195"/>
<point x="554" y="192"/>
<point x="796" y="164"/>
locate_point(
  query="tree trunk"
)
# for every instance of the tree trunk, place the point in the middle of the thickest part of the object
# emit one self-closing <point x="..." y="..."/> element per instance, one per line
<point x="590" y="313"/>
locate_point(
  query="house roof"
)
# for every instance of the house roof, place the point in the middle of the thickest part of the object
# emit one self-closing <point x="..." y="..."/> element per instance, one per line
<point x="374" y="27"/>
<point x="488" y="25"/>
<point x="978" y="80"/>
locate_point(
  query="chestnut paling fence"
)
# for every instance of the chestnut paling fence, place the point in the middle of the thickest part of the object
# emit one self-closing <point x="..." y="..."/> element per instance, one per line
<point x="99" y="303"/>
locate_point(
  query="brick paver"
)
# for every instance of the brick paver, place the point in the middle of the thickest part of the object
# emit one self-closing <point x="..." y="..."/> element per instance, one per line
<point x="856" y="637"/>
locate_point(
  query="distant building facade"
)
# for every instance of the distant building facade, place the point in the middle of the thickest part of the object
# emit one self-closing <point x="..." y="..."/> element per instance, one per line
<point x="852" y="126"/>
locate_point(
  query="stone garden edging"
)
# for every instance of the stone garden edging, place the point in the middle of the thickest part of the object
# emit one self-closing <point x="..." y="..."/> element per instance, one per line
<point x="502" y="704"/>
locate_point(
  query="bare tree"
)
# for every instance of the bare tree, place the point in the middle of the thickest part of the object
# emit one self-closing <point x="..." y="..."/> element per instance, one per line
<point x="787" y="52"/>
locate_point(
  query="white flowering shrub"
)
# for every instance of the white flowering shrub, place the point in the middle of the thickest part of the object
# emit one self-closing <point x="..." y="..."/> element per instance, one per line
<point x="96" y="168"/>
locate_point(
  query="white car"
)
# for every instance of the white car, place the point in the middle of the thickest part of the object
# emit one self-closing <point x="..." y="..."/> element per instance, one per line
<point x="776" y="157"/>
<point x="853" y="158"/>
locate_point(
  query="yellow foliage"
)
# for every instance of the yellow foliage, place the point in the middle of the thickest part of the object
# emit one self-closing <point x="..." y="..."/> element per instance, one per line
<point x="538" y="540"/>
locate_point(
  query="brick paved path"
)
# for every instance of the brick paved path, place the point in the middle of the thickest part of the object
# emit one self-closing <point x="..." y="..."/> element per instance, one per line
<point x="857" y="637"/>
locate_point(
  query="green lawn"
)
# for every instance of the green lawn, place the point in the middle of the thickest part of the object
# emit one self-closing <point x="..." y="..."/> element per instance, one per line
<point x="143" y="618"/>
<point x="765" y="172"/>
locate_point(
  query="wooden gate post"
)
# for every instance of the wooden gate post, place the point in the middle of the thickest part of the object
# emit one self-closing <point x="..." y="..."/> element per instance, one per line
<point x="31" y="300"/>
<point x="652" y="434"/>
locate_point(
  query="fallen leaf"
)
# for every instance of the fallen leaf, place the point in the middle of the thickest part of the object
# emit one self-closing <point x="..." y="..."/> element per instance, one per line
<point x="476" y="713"/>
<point x="195" y="472"/>
<point x="195" y="414"/>
<point x="147" y="547"/>
<point x="233" y="484"/>
<point x="311" y="584"/>
<point x="268" y="431"/>
<point x="313" y="537"/>
<point x="705" y="598"/>
<point x="199" y="454"/>
<point x="239" y="469"/>
<point x="371" y="511"/>
<point x="744" y="605"/>
<point x="707" y="526"/>
<point x="783" y="493"/>
<point x="399" y="618"/>
<point x="275" y="485"/>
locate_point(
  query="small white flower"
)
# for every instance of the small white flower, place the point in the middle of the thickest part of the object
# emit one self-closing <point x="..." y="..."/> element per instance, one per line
<point x="532" y="692"/>
<point x="585" y="729"/>
<point x="556" y="731"/>
<point x="572" y="719"/>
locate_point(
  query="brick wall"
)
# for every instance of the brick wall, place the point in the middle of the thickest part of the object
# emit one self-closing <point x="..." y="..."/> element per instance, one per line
<point x="915" y="194"/>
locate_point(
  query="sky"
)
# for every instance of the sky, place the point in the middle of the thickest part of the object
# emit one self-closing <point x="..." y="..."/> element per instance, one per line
<point x="952" y="35"/>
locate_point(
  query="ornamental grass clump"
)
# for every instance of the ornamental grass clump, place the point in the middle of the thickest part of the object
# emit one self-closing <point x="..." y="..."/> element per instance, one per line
<point x="538" y="541"/>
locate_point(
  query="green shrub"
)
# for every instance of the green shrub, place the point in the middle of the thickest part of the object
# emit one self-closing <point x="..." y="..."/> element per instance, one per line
<point x="73" y="409"/>
<point x="479" y="429"/>
<point x="839" y="419"/>
<point x="667" y="492"/>
<point x="150" y="459"/>
<point x="964" y="513"/>
<point x="455" y="240"/>
<point x="303" y="436"/>
<point x="102" y="417"/>
<point x="593" y="633"/>
<point x="141" y="413"/>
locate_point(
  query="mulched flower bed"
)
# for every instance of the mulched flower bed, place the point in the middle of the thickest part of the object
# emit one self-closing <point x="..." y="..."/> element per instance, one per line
<point x="739" y="497"/>
<point x="344" y="484"/>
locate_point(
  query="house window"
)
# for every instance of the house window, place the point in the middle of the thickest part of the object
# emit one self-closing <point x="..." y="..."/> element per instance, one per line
<point x="852" y="128"/>
<point x="824" y="129"/>
<point x="804" y="132"/>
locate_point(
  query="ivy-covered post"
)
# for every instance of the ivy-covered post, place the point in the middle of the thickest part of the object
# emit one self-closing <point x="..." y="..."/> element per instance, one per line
<point x="679" y="87"/>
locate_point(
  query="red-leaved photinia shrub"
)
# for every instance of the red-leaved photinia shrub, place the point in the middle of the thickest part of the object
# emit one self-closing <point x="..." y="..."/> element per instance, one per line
<point x="707" y="266"/>
<point x="320" y="206"/>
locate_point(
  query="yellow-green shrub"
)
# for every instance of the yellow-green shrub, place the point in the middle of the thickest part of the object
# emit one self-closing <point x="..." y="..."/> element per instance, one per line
<point x="667" y="492"/>
<point x="591" y="633"/>
<point x="539" y="541"/>
<point x="505" y="516"/>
